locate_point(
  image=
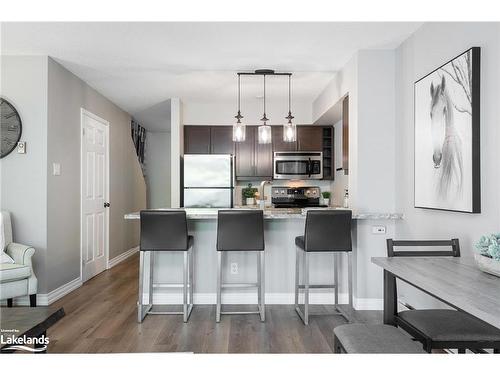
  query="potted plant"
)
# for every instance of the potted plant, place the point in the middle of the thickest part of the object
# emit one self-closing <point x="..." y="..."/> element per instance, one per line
<point x="326" y="197"/>
<point x="249" y="194"/>
<point x="488" y="254"/>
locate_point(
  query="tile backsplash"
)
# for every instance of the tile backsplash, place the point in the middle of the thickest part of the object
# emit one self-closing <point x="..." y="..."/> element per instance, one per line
<point x="324" y="185"/>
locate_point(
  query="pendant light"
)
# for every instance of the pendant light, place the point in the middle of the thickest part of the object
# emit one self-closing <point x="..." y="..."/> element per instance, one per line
<point x="264" y="135"/>
<point x="239" y="131"/>
<point x="289" y="128"/>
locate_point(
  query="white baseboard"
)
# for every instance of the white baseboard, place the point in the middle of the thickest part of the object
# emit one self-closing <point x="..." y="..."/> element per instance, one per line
<point x="120" y="258"/>
<point x="48" y="298"/>
<point x="63" y="290"/>
<point x="271" y="299"/>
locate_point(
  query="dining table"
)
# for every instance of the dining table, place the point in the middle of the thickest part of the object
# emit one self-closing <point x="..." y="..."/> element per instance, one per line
<point x="456" y="281"/>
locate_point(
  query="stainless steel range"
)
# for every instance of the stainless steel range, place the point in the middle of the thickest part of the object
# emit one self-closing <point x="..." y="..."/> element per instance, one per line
<point x="304" y="196"/>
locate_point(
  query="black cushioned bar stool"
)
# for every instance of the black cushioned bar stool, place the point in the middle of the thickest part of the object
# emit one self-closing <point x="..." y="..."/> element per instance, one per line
<point x="165" y="231"/>
<point x="325" y="231"/>
<point x="241" y="230"/>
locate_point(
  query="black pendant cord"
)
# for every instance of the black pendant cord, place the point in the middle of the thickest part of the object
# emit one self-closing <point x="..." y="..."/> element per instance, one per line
<point x="239" y="116"/>
<point x="265" y="117"/>
<point x="289" y="117"/>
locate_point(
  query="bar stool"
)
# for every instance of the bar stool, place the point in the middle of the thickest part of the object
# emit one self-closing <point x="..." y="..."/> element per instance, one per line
<point x="165" y="231"/>
<point x="241" y="230"/>
<point x="325" y="231"/>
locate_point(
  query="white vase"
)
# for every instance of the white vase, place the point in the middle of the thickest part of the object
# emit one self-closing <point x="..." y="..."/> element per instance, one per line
<point x="326" y="202"/>
<point x="487" y="265"/>
<point x="250" y="201"/>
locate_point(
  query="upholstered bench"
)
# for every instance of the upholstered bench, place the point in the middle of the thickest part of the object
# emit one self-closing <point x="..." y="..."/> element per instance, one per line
<point x="369" y="338"/>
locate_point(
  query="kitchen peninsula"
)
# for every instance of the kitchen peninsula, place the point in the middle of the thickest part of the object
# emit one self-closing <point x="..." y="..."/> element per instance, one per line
<point x="282" y="225"/>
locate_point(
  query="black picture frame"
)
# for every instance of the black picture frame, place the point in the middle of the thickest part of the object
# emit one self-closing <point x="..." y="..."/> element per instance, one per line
<point x="475" y="132"/>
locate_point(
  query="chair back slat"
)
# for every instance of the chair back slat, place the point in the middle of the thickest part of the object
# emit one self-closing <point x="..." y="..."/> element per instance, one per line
<point x="453" y="243"/>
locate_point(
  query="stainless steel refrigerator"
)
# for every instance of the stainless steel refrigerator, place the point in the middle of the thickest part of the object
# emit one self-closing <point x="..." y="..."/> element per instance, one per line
<point x="208" y="181"/>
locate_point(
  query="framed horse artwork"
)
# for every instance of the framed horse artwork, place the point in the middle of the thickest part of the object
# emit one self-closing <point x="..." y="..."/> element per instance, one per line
<point x="447" y="157"/>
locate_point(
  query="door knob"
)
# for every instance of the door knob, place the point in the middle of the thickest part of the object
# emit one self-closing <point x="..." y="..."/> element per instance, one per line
<point x="106" y="204"/>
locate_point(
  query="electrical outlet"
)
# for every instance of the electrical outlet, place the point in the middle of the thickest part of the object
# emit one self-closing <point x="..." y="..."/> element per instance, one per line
<point x="234" y="268"/>
<point x="378" y="229"/>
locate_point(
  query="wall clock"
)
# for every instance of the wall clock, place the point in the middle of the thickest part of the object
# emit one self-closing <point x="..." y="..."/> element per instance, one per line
<point x="10" y="128"/>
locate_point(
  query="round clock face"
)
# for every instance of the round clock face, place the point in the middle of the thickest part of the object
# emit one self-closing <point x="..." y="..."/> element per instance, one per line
<point x="10" y="127"/>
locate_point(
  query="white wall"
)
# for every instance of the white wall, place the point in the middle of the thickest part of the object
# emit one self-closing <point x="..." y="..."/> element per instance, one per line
<point x="23" y="177"/>
<point x="431" y="46"/>
<point x="176" y="150"/>
<point x="46" y="208"/>
<point x="369" y="80"/>
<point x="157" y="160"/>
<point x="67" y="94"/>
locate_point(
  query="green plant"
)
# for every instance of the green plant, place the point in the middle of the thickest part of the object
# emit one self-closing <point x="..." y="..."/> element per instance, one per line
<point x="489" y="246"/>
<point x="249" y="191"/>
<point x="326" y="194"/>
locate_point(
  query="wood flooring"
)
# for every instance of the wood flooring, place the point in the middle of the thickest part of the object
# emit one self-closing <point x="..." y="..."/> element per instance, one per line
<point x="101" y="317"/>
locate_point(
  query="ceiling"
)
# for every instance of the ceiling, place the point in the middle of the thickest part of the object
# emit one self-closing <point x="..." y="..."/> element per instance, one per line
<point x="137" y="65"/>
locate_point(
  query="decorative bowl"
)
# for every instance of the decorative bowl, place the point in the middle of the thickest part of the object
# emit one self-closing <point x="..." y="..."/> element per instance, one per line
<point x="487" y="264"/>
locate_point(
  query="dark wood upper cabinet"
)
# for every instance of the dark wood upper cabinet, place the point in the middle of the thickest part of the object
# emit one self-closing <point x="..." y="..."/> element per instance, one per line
<point x="221" y="140"/>
<point x="279" y="144"/>
<point x="254" y="161"/>
<point x="309" y="138"/>
<point x="245" y="155"/>
<point x="197" y="140"/>
<point x="345" y="135"/>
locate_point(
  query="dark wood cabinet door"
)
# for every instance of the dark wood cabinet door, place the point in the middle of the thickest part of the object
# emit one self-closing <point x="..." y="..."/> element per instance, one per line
<point x="309" y="138"/>
<point x="197" y="139"/>
<point x="245" y="155"/>
<point x="279" y="144"/>
<point x="263" y="159"/>
<point x="221" y="140"/>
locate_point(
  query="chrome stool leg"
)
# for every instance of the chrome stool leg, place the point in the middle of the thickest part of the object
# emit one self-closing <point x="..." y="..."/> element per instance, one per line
<point x="142" y="309"/>
<point x="336" y="277"/>
<point x="306" y="288"/>
<point x="191" y="276"/>
<point x="185" y="287"/>
<point x="219" y="286"/>
<point x="262" y="285"/>
<point x="297" y="281"/>
<point x="349" y="277"/>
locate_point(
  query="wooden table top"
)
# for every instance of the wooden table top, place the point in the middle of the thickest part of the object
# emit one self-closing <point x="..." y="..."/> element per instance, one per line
<point x="456" y="281"/>
<point x="29" y="321"/>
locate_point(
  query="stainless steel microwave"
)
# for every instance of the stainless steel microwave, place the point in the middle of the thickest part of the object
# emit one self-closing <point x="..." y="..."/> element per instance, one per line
<point x="296" y="165"/>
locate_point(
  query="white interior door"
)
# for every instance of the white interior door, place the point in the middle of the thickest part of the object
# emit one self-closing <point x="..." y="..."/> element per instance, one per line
<point x="94" y="195"/>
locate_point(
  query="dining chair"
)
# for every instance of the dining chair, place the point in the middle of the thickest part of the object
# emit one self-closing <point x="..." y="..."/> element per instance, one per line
<point x="442" y="328"/>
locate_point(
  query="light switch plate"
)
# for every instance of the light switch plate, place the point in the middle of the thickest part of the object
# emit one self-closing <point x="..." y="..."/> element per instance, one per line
<point x="378" y="229"/>
<point x="21" y="147"/>
<point x="56" y="169"/>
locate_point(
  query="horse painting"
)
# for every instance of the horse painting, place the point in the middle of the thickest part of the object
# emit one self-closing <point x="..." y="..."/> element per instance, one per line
<point x="446" y="144"/>
<point x="446" y="115"/>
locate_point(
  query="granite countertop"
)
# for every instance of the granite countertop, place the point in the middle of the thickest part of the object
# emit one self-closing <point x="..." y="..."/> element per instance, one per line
<point x="271" y="213"/>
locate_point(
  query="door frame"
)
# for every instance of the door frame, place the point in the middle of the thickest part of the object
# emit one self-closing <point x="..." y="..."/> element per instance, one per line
<point x="84" y="112"/>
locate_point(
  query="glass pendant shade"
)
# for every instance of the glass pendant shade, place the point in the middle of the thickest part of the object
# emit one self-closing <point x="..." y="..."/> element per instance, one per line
<point x="289" y="132"/>
<point x="239" y="132"/>
<point x="265" y="136"/>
